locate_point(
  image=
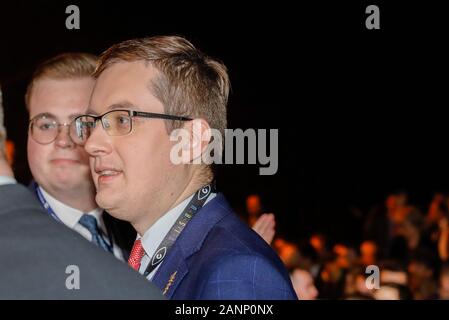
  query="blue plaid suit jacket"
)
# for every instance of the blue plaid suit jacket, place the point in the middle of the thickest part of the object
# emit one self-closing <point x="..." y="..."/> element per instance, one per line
<point x="218" y="256"/>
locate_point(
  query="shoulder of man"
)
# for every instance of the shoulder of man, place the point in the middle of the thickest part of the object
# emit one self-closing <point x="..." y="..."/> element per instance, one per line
<point x="236" y="263"/>
<point x="16" y="197"/>
<point x="248" y="277"/>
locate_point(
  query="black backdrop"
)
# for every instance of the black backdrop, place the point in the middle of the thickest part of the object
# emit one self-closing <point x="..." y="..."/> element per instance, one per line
<point x="360" y="112"/>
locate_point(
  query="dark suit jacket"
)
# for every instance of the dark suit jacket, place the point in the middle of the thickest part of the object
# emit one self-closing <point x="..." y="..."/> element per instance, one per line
<point x="217" y="256"/>
<point x="37" y="252"/>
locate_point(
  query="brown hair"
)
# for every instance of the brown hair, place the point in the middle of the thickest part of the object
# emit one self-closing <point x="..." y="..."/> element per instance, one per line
<point x="63" y="66"/>
<point x="189" y="83"/>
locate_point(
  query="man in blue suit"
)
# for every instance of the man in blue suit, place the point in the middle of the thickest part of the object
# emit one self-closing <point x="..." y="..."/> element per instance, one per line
<point x="151" y="118"/>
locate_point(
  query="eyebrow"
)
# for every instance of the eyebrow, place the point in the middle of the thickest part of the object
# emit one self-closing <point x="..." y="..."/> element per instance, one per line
<point x="44" y="114"/>
<point x="51" y="115"/>
<point x="120" y="105"/>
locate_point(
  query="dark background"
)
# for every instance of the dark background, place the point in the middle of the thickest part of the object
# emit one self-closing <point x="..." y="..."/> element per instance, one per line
<point x="360" y="112"/>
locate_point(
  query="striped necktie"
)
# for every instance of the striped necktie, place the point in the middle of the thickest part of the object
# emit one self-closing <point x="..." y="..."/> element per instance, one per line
<point x="90" y="223"/>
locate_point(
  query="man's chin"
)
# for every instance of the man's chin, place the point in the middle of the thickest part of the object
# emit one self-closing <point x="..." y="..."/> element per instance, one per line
<point x="69" y="176"/>
<point x="105" y="201"/>
<point x="112" y="200"/>
<point x="65" y="186"/>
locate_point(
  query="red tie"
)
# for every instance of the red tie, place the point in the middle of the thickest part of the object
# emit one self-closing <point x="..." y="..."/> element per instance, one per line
<point x="136" y="255"/>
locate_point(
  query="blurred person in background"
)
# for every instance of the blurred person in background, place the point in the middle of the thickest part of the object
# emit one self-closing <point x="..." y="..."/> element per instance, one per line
<point x="382" y="221"/>
<point x="437" y="209"/>
<point x="288" y="252"/>
<point x="393" y="282"/>
<point x="319" y="242"/>
<point x="265" y="227"/>
<point x="262" y="223"/>
<point x="422" y="271"/>
<point x="254" y="208"/>
<point x="368" y="253"/>
<point x="443" y="290"/>
<point x="410" y="236"/>
<point x="443" y="239"/>
<point x="308" y="258"/>
<point x="10" y="152"/>
<point x="331" y="280"/>
<point x="391" y="291"/>
<point x="355" y="285"/>
<point x="346" y="256"/>
<point x="303" y="284"/>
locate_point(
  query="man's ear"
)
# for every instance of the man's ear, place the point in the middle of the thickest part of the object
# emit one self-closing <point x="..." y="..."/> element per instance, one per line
<point x="199" y="138"/>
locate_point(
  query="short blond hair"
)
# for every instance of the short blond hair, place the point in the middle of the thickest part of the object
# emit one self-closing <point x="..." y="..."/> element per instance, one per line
<point x="70" y="65"/>
<point x="189" y="83"/>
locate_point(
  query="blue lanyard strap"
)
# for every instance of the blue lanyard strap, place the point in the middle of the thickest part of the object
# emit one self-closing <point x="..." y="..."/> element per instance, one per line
<point x="197" y="202"/>
<point x="52" y="214"/>
<point x="44" y="202"/>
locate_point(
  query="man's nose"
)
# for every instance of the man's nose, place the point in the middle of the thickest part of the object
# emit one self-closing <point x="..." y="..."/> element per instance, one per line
<point x="98" y="143"/>
<point x="63" y="139"/>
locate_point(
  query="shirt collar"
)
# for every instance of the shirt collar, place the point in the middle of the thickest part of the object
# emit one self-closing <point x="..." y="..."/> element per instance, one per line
<point x="68" y="215"/>
<point x="7" y="180"/>
<point x="156" y="233"/>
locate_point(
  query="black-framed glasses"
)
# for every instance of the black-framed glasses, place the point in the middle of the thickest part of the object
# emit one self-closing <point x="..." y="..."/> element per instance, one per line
<point x="44" y="128"/>
<point x="115" y="122"/>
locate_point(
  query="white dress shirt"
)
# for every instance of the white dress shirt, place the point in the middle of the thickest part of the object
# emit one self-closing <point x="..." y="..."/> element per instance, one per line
<point x="157" y="232"/>
<point x="70" y="217"/>
<point x="7" y="180"/>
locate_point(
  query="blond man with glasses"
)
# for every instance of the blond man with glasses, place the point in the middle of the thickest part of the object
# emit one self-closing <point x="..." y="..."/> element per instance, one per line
<point x="58" y="92"/>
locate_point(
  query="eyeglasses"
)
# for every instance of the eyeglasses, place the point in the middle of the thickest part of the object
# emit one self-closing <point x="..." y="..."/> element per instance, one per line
<point x="115" y="122"/>
<point x="45" y="128"/>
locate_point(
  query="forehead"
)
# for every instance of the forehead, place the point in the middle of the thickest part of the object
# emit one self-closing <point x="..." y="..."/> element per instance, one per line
<point x="60" y="97"/>
<point x="125" y="81"/>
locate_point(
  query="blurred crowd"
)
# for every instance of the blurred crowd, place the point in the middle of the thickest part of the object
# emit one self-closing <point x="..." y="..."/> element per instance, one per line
<point x="403" y="255"/>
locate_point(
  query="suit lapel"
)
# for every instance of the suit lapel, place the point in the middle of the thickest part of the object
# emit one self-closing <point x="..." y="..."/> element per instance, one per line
<point x="175" y="267"/>
<point x="171" y="272"/>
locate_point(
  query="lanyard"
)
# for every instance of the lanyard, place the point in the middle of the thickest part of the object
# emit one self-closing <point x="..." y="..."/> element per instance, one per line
<point x="44" y="202"/>
<point x="197" y="202"/>
<point x="52" y="213"/>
